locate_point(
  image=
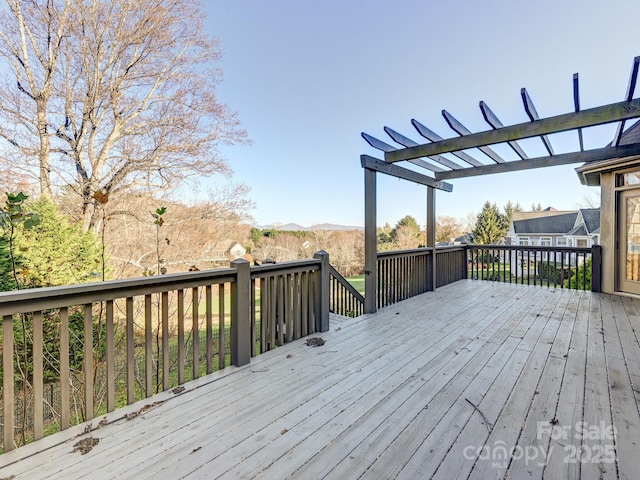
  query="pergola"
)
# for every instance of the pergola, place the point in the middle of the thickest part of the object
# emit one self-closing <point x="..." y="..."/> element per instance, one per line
<point x="459" y="163"/>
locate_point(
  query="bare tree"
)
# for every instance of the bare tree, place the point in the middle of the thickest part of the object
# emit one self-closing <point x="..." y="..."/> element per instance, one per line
<point x="191" y="235"/>
<point x="589" y="201"/>
<point x="447" y="228"/>
<point x="123" y="95"/>
<point x="32" y="39"/>
<point x="469" y="222"/>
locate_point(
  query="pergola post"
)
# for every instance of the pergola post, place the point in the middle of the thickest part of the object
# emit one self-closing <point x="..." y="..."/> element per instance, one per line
<point x="370" y="242"/>
<point x="431" y="235"/>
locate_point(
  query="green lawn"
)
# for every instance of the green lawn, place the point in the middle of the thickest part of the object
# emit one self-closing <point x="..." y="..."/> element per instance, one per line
<point x="357" y="282"/>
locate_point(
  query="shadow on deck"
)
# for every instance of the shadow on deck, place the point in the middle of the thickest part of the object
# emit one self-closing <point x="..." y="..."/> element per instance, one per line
<point x="474" y="380"/>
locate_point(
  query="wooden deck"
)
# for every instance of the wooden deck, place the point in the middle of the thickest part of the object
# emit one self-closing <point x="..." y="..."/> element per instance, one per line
<point x="475" y="380"/>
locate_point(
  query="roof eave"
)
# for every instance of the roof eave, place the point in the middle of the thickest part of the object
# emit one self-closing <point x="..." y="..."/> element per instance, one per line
<point x="589" y="173"/>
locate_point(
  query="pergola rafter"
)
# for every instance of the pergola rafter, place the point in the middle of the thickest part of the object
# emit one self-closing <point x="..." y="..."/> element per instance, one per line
<point x="616" y="112"/>
<point x="431" y="156"/>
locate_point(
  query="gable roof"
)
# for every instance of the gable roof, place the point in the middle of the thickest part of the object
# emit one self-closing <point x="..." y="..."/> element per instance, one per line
<point x="553" y="224"/>
<point x="591" y="217"/>
<point x="578" y="231"/>
<point x="583" y="222"/>
<point x="547" y="212"/>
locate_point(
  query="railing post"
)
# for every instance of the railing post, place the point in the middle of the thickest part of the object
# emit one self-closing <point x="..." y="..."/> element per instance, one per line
<point x="431" y="237"/>
<point x="241" y="313"/>
<point x="370" y="243"/>
<point x="322" y="320"/>
<point x="596" y="267"/>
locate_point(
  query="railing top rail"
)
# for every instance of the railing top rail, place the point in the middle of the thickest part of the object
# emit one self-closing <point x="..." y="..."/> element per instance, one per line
<point x="402" y="253"/>
<point x="345" y="283"/>
<point x="532" y="247"/>
<point x="450" y="248"/>
<point x="36" y="299"/>
<point x="294" y="266"/>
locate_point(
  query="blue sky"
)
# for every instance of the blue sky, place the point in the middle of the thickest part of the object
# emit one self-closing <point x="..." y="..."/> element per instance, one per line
<point x="308" y="77"/>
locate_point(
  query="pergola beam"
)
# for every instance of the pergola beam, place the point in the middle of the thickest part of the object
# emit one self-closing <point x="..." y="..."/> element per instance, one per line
<point x="371" y="163"/>
<point x="548" y="161"/>
<point x="561" y="123"/>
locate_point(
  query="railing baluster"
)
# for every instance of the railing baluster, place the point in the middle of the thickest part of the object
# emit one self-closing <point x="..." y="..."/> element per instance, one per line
<point x="148" y="342"/>
<point x="131" y="380"/>
<point x="111" y="361"/>
<point x="265" y="302"/>
<point x="222" y="331"/>
<point x="295" y="305"/>
<point x="273" y="288"/>
<point x="88" y="362"/>
<point x="38" y="370"/>
<point x="209" y="326"/>
<point x="8" y="399"/>
<point x="166" y="381"/>
<point x="305" y="304"/>
<point x="288" y="307"/>
<point x="195" y="334"/>
<point x="64" y="368"/>
<point x="181" y="346"/>
<point x="254" y="307"/>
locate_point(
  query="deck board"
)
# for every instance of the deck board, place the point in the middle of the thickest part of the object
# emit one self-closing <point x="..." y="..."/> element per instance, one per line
<point x="431" y="387"/>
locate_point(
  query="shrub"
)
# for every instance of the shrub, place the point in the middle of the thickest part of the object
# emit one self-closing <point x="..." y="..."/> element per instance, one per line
<point x="581" y="278"/>
<point x="553" y="272"/>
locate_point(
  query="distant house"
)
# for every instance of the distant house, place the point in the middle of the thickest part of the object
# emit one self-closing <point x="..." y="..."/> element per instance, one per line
<point x="237" y="251"/>
<point x="553" y="228"/>
<point x="463" y="240"/>
<point x="219" y="253"/>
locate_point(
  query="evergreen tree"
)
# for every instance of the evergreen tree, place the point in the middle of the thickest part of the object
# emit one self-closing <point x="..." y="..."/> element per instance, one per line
<point x="491" y="225"/>
<point x="53" y="252"/>
<point x="509" y="209"/>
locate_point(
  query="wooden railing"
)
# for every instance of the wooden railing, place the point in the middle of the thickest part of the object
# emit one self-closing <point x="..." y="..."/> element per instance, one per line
<point x="558" y="267"/>
<point x="345" y="299"/>
<point x="109" y="344"/>
<point x="403" y="274"/>
<point x="451" y="264"/>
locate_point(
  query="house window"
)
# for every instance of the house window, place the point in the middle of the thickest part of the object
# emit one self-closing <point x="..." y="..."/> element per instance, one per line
<point x="582" y="243"/>
<point x="627" y="179"/>
<point x="561" y="242"/>
<point x="570" y="242"/>
<point x="524" y="241"/>
<point x="545" y="241"/>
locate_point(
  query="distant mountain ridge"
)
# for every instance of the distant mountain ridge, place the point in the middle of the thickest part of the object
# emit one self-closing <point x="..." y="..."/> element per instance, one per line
<point x="295" y="227"/>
